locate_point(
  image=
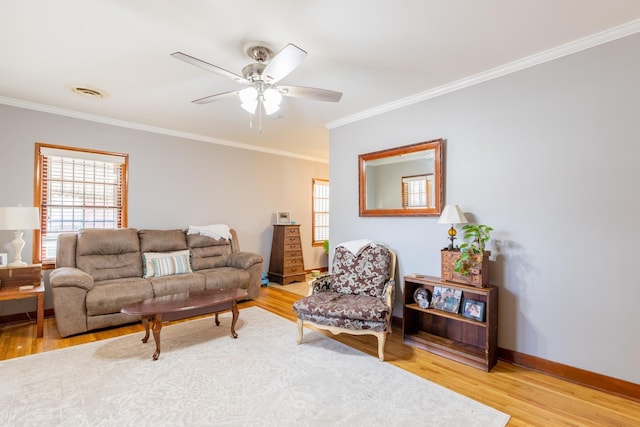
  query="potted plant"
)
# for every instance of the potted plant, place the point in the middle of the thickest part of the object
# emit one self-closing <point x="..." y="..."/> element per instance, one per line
<point x="472" y="251"/>
<point x="325" y="246"/>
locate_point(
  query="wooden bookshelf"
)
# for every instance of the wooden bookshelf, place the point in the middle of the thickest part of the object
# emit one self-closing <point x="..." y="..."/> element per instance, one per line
<point x="452" y="335"/>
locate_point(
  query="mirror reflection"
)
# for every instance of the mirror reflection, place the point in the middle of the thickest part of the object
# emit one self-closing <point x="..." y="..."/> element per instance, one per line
<point x="403" y="181"/>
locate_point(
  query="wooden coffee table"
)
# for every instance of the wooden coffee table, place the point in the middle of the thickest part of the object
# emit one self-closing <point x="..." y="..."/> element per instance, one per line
<point x="153" y="309"/>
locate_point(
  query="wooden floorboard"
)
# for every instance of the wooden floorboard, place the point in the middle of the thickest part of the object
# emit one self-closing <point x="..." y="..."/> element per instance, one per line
<point x="531" y="398"/>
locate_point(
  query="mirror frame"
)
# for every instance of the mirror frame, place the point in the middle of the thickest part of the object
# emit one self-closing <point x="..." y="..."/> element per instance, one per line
<point x="436" y="145"/>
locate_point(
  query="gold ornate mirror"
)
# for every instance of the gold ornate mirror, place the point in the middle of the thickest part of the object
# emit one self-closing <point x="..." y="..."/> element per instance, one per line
<point x="402" y="181"/>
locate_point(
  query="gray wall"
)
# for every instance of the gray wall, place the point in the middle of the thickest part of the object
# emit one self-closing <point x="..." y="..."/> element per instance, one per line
<point x="173" y="182"/>
<point x="548" y="156"/>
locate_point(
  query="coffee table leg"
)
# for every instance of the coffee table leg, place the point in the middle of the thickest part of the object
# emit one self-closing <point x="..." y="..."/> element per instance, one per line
<point x="234" y="310"/>
<point x="157" y="326"/>
<point x="145" y="323"/>
<point x="217" y="321"/>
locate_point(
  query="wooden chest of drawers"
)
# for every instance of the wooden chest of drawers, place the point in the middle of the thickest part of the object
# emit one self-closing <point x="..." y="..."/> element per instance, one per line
<point x="286" y="264"/>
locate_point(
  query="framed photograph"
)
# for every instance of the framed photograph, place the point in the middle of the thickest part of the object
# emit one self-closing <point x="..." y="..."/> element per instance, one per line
<point x="283" y="217"/>
<point x="422" y="296"/>
<point x="473" y="309"/>
<point x="446" y="299"/>
<point x="3" y="259"/>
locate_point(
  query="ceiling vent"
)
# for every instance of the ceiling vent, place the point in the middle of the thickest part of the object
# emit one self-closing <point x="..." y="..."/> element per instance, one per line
<point x="88" y="92"/>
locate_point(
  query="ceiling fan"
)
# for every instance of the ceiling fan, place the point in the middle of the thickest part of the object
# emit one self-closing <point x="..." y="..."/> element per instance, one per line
<point x="262" y="77"/>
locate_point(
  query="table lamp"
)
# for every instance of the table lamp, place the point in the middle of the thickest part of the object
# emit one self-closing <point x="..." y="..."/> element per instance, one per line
<point x="18" y="219"/>
<point x="452" y="214"/>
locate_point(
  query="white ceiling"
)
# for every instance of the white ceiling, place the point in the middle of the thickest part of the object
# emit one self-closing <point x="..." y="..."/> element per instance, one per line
<point x="380" y="53"/>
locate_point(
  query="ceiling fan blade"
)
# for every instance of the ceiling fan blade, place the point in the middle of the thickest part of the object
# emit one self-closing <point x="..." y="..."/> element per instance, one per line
<point x="310" y="93"/>
<point x="216" y="97"/>
<point x="209" y="67"/>
<point x="283" y="63"/>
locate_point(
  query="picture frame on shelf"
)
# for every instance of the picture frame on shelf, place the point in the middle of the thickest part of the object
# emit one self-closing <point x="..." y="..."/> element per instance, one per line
<point x="3" y="259"/>
<point x="283" y="217"/>
<point x="473" y="309"/>
<point x="422" y="297"/>
<point x="446" y="299"/>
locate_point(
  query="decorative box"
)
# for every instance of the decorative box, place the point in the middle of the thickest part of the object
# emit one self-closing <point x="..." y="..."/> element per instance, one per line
<point x="478" y="276"/>
<point x="13" y="277"/>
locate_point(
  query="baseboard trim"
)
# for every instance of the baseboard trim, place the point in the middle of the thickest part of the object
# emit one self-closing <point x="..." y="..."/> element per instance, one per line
<point x="24" y="317"/>
<point x="575" y="375"/>
<point x="583" y="377"/>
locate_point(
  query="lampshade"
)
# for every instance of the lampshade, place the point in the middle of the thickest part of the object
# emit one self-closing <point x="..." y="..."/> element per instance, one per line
<point x="19" y="218"/>
<point x="452" y="214"/>
<point x="249" y="99"/>
<point x="272" y="100"/>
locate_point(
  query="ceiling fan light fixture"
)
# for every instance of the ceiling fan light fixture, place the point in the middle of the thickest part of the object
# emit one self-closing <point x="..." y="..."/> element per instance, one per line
<point x="250" y="106"/>
<point x="249" y="98"/>
<point x="248" y="94"/>
<point x="271" y="101"/>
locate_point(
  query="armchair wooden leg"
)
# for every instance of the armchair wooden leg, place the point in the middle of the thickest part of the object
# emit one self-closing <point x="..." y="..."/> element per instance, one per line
<point x="381" y="340"/>
<point x="300" y="328"/>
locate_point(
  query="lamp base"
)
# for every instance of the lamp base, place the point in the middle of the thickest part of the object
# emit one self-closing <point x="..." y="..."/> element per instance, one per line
<point x="17" y="264"/>
<point x="18" y="244"/>
<point x="452" y="237"/>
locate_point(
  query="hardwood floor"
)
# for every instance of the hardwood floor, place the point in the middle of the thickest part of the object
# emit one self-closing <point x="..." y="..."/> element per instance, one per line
<point x="529" y="397"/>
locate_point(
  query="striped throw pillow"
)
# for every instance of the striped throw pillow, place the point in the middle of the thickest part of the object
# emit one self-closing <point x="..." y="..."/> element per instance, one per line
<point x="158" y="264"/>
<point x="178" y="264"/>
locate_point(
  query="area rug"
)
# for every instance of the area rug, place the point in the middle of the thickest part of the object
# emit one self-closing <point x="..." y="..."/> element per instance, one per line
<point x="206" y="378"/>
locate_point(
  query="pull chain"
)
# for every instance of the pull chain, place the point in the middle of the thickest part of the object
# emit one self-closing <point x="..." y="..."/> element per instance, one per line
<point x="260" y="107"/>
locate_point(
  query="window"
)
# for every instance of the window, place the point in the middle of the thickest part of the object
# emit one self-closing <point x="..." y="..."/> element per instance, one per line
<point x="320" y="211"/>
<point x="417" y="191"/>
<point x="77" y="188"/>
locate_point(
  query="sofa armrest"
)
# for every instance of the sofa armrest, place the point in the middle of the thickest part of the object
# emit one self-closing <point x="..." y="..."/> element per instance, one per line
<point x="70" y="286"/>
<point x="70" y="277"/>
<point x="244" y="260"/>
<point x="321" y="284"/>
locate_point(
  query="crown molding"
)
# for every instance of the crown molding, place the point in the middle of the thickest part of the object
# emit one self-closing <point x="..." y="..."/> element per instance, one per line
<point x="146" y="128"/>
<point x="566" y="49"/>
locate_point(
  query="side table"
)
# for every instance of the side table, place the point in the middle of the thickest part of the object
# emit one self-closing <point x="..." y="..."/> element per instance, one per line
<point x="14" y="293"/>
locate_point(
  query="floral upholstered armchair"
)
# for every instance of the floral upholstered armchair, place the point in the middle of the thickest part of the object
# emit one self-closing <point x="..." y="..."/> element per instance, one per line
<point x="357" y="297"/>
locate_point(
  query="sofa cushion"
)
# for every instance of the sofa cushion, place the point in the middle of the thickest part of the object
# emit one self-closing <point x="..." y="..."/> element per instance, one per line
<point x="207" y="252"/>
<point x="109" y="254"/>
<point x="166" y="263"/>
<point x="365" y="273"/>
<point x="162" y="240"/>
<point x="169" y="285"/>
<point x="225" y="277"/>
<point x="110" y="296"/>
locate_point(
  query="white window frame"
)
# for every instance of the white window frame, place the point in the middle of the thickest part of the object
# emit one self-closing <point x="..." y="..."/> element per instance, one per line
<point x="319" y="211"/>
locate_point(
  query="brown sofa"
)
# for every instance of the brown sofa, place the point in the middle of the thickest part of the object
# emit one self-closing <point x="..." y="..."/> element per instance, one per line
<point x="100" y="271"/>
